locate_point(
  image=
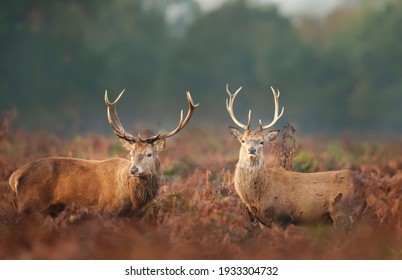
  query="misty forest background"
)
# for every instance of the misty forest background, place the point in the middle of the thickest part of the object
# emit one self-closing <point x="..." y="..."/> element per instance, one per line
<point x="337" y="74"/>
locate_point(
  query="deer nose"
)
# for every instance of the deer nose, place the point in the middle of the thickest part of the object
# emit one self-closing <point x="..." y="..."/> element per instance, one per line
<point x="252" y="150"/>
<point x="133" y="170"/>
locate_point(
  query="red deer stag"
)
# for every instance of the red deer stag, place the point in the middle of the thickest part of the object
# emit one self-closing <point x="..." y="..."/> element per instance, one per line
<point x="115" y="186"/>
<point x="284" y="197"/>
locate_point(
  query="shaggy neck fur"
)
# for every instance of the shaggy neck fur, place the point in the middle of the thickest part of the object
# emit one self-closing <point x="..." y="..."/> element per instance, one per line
<point x="251" y="163"/>
<point x="143" y="190"/>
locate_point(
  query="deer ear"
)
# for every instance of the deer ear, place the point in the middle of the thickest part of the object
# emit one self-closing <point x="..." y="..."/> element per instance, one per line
<point x="126" y="145"/>
<point x="236" y="133"/>
<point x="270" y="135"/>
<point x="159" y="145"/>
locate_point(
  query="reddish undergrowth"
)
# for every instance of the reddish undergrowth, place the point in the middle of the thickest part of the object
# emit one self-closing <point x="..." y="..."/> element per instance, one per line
<point x="197" y="214"/>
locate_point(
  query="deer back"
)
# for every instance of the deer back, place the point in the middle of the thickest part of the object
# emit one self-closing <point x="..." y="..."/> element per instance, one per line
<point x="278" y="195"/>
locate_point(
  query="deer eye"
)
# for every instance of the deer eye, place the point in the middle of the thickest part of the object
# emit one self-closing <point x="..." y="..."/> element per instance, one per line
<point x="149" y="155"/>
<point x="262" y="143"/>
<point x="242" y="140"/>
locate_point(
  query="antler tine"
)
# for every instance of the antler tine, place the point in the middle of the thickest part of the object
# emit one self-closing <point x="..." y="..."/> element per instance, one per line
<point x="118" y="127"/>
<point x="111" y="107"/>
<point x="276" y="116"/>
<point x="191" y="107"/>
<point x="229" y="108"/>
<point x="180" y="126"/>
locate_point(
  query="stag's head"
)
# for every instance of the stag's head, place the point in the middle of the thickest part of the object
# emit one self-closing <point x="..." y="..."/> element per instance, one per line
<point x="252" y="141"/>
<point x="144" y="151"/>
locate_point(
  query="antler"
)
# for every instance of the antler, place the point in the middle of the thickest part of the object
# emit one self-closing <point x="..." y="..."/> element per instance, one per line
<point x="229" y="108"/>
<point x="120" y="132"/>
<point x="276" y="116"/>
<point x="118" y="128"/>
<point x="180" y="126"/>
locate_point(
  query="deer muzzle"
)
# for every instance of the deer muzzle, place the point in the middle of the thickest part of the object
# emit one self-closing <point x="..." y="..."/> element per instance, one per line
<point x="251" y="151"/>
<point x="134" y="171"/>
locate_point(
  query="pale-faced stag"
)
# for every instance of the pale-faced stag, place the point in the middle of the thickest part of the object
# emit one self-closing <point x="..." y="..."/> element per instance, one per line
<point x="285" y="197"/>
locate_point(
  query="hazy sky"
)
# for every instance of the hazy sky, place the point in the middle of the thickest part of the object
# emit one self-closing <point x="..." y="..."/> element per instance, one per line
<point x="288" y="7"/>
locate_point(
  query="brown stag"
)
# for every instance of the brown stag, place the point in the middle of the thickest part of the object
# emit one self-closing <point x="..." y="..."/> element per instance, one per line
<point x="286" y="197"/>
<point x="116" y="186"/>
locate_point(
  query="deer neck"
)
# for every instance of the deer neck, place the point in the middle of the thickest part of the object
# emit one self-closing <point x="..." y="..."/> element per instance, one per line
<point x="250" y="184"/>
<point x="250" y="172"/>
<point x="140" y="190"/>
<point x="143" y="189"/>
<point x="251" y="163"/>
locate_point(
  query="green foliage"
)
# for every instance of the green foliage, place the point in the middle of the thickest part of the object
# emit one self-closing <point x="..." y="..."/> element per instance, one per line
<point x="116" y="148"/>
<point x="335" y="158"/>
<point x="173" y="170"/>
<point x="338" y="73"/>
<point x="305" y="162"/>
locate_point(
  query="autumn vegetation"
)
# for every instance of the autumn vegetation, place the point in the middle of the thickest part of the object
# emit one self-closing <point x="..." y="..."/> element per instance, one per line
<point x="197" y="214"/>
<point x="339" y="78"/>
<point x="337" y="72"/>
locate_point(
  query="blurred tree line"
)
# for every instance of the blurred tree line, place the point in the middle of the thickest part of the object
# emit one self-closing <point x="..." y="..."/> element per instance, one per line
<point x="337" y="73"/>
